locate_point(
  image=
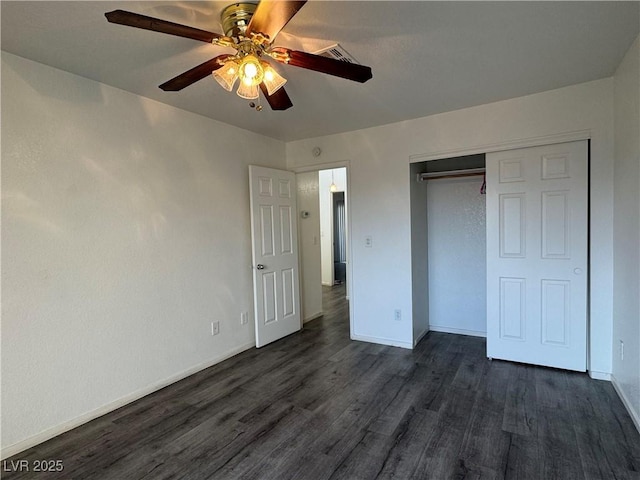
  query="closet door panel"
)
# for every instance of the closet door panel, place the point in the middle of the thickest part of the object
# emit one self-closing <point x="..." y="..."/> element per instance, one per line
<point x="537" y="255"/>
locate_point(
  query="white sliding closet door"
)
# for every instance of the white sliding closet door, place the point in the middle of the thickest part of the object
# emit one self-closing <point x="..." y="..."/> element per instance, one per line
<point x="537" y="255"/>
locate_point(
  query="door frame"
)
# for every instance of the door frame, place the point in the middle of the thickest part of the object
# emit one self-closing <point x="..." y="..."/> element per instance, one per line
<point x="328" y="166"/>
<point x="526" y="142"/>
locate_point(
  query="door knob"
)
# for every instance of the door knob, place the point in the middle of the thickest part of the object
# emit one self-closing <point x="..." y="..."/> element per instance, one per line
<point x="577" y="271"/>
<point x="260" y="266"/>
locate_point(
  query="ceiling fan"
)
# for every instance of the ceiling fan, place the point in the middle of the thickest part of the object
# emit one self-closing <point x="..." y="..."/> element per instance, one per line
<point x="250" y="29"/>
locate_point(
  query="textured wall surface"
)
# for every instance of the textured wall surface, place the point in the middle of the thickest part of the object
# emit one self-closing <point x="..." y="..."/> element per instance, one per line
<point x="125" y="233"/>
<point x="419" y="254"/>
<point x="626" y="307"/>
<point x="309" y="241"/>
<point x="379" y="196"/>
<point x="457" y="255"/>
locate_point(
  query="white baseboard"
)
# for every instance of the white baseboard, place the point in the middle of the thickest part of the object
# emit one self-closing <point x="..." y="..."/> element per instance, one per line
<point x="114" y="405"/>
<point x="635" y="416"/>
<point x="419" y="337"/>
<point x="313" y="317"/>
<point x="382" y="341"/>
<point x="600" y="375"/>
<point x="458" y="331"/>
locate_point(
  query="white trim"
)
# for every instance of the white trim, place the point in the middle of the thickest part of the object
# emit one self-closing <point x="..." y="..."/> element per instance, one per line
<point x="599" y="375"/>
<point x="505" y="145"/>
<point x="313" y="317"/>
<point x="635" y="416"/>
<point x="457" y="331"/>
<point x="111" y="406"/>
<point x="420" y="337"/>
<point x="321" y="166"/>
<point x="382" y="341"/>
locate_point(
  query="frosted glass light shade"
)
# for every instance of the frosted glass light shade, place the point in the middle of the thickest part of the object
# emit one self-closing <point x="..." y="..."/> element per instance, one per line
<point x="251" y="72"/>
<point x="226" y="75"/>
<point x="333" y="187"/>
<point x="272" y="79"/>
<point x="247" y="91"/>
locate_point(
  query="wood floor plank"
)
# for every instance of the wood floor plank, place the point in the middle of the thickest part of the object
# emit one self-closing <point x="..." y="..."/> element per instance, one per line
<point x="485" y="425"/>
<point x="596" y="433"/>
<point x="520" y="409"/>
<point x="559" y="454"/>
<point x="470" y="372"/>
<point x="342" y="436"/>
<point x="409" y="445"/>
<point x="365" y="460"/>
<point x="522" y="458"/>
<point x="318" y="406"/>
<point x="441" y="458"/>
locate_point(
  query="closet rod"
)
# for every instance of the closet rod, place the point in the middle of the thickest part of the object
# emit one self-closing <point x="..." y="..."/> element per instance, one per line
<point x="422" y="177"/>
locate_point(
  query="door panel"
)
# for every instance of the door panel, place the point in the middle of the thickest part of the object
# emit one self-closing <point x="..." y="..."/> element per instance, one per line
<point x="537" y="255"/>
<point x="275" y="254"/>
<point x="266" y="230"/>
<point x="512" y="308"/>
<point x="269" y="297"/>
<point x="512" y="225"/>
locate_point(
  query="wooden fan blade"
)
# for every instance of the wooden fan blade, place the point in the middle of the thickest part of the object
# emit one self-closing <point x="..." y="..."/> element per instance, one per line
<point x="338" y="68"/>
<point x="149" y="23"/>
<point x="195" y="74"/>
<point x="271" y="16"/>
<point x="279" y="100"/>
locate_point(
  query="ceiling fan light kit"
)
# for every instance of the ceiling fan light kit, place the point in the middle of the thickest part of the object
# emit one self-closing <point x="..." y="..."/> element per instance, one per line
<point x="227" y="75"/>
<point x="272" y="79"/>
<point x="248" y="91"/>
<point x="250" y="28"/>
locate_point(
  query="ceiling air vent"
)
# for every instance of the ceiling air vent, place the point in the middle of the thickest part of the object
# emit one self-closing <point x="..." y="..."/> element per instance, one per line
<point x="337" y="52"/>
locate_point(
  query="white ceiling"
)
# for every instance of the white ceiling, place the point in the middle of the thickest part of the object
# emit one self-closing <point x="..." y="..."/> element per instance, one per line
<point x="427" y="57"/>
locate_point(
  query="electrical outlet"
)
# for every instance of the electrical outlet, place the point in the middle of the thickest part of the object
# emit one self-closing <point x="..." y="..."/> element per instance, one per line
<point x="215" y="328"/>
<point x="368" y="241"/>
<point x="621" y="350"/>
<point x="397" y="315"/>
<point x="244" y="318"/>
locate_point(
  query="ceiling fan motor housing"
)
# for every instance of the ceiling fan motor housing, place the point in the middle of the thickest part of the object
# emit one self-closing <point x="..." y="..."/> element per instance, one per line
<point x="236" y="17"/>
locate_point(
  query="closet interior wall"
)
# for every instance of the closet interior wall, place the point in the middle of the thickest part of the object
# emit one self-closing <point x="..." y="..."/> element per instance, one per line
<point x="455" y="244"/>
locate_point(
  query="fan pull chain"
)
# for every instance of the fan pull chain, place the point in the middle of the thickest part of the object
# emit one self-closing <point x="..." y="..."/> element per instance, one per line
<point x="257" y="105"/>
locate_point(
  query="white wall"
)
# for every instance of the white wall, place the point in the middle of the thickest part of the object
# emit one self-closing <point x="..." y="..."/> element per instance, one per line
<point x="457" y="246"/>
<point x="380" y="196"/>
<point x="326" y="219"/>
<point x="419" y="254"/>
<point x="626" y="280"/>
<point x="309" y="241"/>
<point x="117" y="247"/>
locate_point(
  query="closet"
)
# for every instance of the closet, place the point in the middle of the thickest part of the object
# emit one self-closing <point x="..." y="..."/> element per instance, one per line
<point x="506" y="251"/>
<point x="456" y="244"/>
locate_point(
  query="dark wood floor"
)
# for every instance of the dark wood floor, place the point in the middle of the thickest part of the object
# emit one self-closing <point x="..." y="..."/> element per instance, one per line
<point x="316" y="405"/>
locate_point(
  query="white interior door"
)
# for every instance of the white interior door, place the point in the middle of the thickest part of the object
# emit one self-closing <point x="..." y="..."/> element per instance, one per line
<point x="274" y="235"/>
<point x="537" y="255"/>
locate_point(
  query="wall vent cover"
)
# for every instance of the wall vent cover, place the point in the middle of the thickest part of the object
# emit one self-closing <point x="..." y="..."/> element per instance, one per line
<point x="337" y="52"/>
